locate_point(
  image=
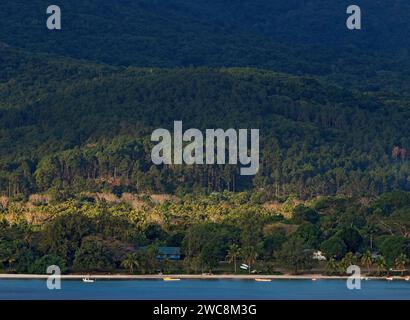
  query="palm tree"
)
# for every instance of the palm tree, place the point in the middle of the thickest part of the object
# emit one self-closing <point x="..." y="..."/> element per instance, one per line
<point x="332" y="266"/>
<point x="249" y="256"/>
<point x="381" y="265"/>
<point x="233" y="253"/>
<point x="150" y="258"/>
<point x="367" y="260"/>
<point x="11" y="261"/>
<point x="166" y="265"/>
<point x="348" y="260"/>
<point x="400" y="263"/>
<point x="131" y="261"/>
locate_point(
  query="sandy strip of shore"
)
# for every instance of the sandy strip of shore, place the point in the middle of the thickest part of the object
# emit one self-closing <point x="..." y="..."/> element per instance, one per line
<point x="186" y="276"/>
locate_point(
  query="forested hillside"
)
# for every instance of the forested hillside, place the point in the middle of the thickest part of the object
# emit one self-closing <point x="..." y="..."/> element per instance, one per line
<point x="332" y="105"/>
<point x="297" y="36"/>
<point x="193" y="28"/>
<point x="92" y="130"/>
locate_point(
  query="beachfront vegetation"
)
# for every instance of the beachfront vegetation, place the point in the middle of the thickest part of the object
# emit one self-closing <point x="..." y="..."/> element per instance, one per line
<point x="105" y="233"/>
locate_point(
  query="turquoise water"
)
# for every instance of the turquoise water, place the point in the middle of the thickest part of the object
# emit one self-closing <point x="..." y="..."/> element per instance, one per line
<point x="204" y="290"/>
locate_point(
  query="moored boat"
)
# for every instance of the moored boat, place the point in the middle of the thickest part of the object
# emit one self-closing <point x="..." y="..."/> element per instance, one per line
<point x="170" y="279"/>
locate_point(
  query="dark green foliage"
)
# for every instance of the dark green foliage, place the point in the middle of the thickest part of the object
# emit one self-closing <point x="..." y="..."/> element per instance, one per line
<point x="310" y="233"/>
<point x="272" y="244"/>
<point x="64" y="236"/>
<point x="389" y="202"/>
<point x="392" y="247"/>
<point x="351" y="238"/>
<point x="315" y="138"/>
<point x="208" y="241"/>
<point x="305" y="214"/>
<point x="40" y="265"/>
<point x="154" y="232"/>
<point x="296" y="254"/>
<point x="292" y="36"/>
<point x="25" y="259"/>
<point x="336" y="123"/>
<point x="93" y="255"/>
<point x="334" y="248"/>
<point x="332" y="107"/>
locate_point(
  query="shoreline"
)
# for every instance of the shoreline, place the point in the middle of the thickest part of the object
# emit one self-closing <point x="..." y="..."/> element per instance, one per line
<point x="190" y="277"/>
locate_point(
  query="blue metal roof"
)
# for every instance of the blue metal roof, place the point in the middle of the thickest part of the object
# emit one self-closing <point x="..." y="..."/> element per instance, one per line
<point x="169" y="250"/>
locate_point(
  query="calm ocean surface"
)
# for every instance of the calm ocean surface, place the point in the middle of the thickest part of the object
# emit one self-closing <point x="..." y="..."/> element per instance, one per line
<point x="204" y="290"/>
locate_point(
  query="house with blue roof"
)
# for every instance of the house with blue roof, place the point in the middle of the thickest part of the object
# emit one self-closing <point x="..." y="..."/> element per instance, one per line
<point x="169" y="253"/>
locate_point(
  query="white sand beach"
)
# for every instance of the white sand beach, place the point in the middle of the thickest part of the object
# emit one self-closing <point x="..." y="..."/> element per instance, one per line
<point x="187" y="276"/>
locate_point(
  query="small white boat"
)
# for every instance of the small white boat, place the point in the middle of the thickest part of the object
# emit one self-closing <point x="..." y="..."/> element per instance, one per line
<point x="407" y="279"/>
<point x="389" y="278"/>
<point x="314" y="279"/>
<point x="263" y="280"/>
<point x="88" y="280"/>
